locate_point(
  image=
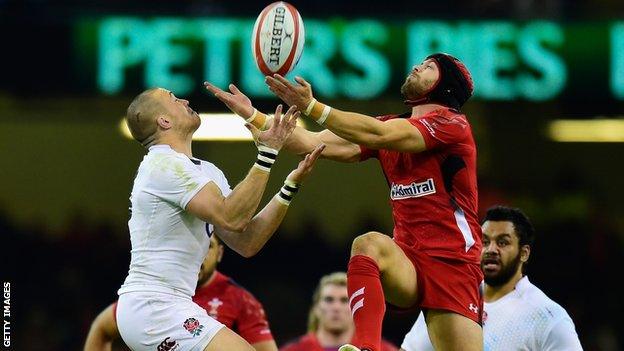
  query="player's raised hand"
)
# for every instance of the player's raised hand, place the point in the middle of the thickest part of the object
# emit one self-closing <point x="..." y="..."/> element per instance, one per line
<point x="235" y="100"/>
<point x="281" y="128"/>
<point x="305" y="166"/>
<point x="298" y="95"/>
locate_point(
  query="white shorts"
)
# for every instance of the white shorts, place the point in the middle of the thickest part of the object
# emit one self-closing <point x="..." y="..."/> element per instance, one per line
<point x="418" y="337"/>
<point x="162" y="322"/>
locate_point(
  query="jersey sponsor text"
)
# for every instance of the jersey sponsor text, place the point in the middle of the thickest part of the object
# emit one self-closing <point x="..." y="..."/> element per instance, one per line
<point x="400" y="191"/>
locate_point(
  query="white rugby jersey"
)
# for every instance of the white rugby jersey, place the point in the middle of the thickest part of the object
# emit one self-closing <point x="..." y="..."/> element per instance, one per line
<point x="168" y="243"/>
<point x="524" y="319"/>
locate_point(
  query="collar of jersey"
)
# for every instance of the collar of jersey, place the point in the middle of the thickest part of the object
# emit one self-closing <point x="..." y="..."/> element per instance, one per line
<point x="519" y="289"/>
<point x="523" y="284"/>
<point x="160" y="148"/>
<point x="166" y="148"/>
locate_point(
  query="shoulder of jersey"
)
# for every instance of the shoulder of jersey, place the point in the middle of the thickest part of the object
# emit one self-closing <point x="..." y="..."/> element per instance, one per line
<point x="543" y="304"/>
<point x="164" y="160"/>
<point x="169" y="155"/>
<point x="205" y="163"/>
<point x="451" y="113"/>
<point x="384" y="118"/>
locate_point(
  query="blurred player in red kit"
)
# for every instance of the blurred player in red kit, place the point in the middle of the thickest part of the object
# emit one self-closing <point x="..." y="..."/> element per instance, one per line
<point x="219" y="295"/>
<point x="329" y="323"/>
<point x="429" y="159"/>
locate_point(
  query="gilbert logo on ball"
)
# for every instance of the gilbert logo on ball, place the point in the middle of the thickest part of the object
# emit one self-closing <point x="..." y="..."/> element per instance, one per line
<point x="278" y="38"/>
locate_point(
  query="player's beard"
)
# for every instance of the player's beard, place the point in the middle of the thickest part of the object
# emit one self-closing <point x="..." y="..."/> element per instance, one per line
<point x="415" y="88"/>
<point x="409" y="89"/>
<point x="506" y="272"/>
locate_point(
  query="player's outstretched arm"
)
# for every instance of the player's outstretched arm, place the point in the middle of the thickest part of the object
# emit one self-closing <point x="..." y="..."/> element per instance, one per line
<point x="301" y="141"/>
<point x="396" y="134"/>
<point x="264" y="224"/>
<point x="103" y="331"/>
<point x="235" y="211"/>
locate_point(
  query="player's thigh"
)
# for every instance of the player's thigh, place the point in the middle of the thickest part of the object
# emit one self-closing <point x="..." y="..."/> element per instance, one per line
<point x="225" y="339"/>
<point x="451" y="331"/>
<point x="398" y="275"/>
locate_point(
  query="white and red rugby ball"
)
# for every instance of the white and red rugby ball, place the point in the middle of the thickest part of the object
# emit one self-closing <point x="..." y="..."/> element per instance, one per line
<point x="278" y="38"/>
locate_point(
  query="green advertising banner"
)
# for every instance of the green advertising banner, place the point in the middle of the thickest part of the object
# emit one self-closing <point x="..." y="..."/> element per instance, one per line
<point x="357" y="58"/>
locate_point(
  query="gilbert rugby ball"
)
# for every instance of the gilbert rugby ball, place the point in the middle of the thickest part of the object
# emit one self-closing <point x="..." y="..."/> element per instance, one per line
<point x="278" y="38"/>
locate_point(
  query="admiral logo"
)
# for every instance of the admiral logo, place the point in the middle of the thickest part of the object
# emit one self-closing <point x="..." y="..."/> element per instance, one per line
<point x="400" y="191"/>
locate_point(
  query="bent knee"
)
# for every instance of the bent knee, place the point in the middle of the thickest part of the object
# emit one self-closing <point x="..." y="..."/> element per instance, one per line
<point x="371" y="244"/>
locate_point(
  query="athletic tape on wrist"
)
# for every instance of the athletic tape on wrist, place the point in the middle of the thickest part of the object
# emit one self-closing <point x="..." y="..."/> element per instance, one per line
<point x="326" y="111"/>
<point x="266" y="158"/>
<point x="253" y="116"/>
<point x="308" y="109"/>
<point x="266" y="123"/>
<point x="287" y="192"/>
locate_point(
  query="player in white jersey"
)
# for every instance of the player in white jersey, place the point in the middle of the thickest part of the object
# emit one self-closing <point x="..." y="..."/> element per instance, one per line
<point x="517" y="314"/>
<point x="173" y="197"/>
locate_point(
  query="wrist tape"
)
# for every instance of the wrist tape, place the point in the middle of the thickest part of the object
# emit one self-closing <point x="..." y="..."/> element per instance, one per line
<point x="318" y="111"/>
<point x="266" y="158"/>
<point x="287" y="192"/>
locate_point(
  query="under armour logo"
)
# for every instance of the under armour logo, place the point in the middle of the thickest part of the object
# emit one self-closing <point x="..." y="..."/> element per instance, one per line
<point x="473" y="308"/>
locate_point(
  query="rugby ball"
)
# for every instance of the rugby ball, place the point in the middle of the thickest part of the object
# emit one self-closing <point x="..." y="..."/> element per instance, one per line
<point x="277" y="39"/>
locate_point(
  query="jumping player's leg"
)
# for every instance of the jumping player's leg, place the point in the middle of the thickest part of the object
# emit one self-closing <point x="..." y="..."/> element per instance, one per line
<point x="449" y="331"/>
<point x="377" y="266"/>
<point x="225" y="339"/>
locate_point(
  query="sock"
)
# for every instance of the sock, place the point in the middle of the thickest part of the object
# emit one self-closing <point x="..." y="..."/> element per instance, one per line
<point x="367" y="302"/>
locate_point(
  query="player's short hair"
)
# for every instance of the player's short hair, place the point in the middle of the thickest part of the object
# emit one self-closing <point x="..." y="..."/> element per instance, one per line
<point x="521" y="223"/>
<point x="336" y="278"/>
<point x="140" y="117"/>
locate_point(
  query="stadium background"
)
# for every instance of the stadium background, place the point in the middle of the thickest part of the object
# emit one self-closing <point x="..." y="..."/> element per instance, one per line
<point x="66" y="169"/>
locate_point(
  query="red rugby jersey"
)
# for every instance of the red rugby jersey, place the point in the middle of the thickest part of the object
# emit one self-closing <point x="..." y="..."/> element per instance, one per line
<point x="235" y="307"/>
<point x="309" y="342"/>
<point x="433" y="193"/>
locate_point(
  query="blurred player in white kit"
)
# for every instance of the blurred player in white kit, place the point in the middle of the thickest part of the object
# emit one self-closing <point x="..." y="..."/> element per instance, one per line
<point x="173" y="198"/>
<point x="517" y="314"/>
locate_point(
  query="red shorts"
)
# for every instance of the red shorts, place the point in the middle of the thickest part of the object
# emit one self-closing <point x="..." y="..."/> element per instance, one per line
<point x="445" y="284"/>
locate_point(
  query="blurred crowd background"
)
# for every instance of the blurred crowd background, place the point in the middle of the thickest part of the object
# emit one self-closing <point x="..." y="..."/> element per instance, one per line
<point x="66" y="169"/>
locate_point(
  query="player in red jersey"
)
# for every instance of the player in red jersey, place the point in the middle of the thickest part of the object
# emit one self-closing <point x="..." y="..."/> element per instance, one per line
<point x="231" y="304"/>
<point x="219" y="295"/>
<point x="329" y="323"/>
<point x="429" y="159"/>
